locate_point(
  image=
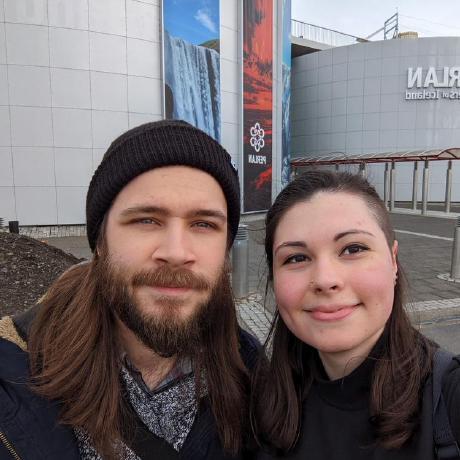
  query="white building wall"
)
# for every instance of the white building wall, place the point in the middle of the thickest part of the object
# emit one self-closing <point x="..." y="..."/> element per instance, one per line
<point x="352" y="100"/>
<point x="231" y="78"/>
<point x="73" y="76"/>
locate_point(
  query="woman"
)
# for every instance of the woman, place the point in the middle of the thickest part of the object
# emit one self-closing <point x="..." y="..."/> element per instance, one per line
<point x="348" y="376"/>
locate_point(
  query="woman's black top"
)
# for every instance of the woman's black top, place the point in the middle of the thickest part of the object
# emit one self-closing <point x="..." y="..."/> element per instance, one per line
<point x="336" y="421"/>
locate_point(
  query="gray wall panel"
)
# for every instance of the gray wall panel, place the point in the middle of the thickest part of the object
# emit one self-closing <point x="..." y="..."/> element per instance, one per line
<point x="369" y="110"/>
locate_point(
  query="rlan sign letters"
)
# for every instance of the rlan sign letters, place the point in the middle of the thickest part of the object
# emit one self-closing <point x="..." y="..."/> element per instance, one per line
<point x="432" y="84"/>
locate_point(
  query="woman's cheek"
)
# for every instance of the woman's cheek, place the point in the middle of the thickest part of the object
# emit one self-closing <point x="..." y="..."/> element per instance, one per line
<point x="289" y="290"/>
<point x="377" y="287"/>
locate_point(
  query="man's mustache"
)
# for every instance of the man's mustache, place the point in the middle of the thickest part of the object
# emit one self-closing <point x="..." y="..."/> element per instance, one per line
<point x="167" y="277"/>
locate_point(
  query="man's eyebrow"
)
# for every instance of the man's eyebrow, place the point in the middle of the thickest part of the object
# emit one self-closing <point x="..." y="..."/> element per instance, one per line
<point x="144" y="209"/>
<point x="291" y="244"/>
<point x="352" y="231"/>
<point x="148" y="209"/>
<point x="208" y="213"/>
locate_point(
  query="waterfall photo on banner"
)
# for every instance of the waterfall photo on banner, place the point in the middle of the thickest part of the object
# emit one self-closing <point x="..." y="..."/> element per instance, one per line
<point x="192" y="63"/>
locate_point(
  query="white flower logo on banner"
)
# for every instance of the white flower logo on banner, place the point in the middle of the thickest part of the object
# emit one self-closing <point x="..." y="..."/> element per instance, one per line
<point x="257" y="137"/>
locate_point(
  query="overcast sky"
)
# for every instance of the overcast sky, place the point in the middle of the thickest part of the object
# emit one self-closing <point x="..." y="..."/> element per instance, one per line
<point x="363" y="17"/>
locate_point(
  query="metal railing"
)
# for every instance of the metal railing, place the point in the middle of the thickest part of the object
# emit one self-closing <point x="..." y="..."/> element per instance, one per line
<point x="322" y="34"/>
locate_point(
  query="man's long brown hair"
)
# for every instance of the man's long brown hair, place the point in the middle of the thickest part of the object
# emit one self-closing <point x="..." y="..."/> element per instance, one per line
<point x="282" y="382"/>
<point x="75" y="359"/>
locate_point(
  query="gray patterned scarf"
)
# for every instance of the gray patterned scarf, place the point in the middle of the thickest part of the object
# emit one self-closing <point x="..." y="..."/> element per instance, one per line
<point x="168" y="412"/>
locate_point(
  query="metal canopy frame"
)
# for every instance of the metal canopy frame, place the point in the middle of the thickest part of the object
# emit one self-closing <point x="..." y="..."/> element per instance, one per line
<point x="390" y="159"/>
<point x="337" y="158"/>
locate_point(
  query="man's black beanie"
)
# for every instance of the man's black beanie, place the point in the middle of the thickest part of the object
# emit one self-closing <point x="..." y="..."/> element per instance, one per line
<point x="152" y="145"/>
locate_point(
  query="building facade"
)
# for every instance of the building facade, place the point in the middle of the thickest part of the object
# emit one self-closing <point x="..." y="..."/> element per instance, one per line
<point x="74" y="75"/>
<point x="392" y="95"/>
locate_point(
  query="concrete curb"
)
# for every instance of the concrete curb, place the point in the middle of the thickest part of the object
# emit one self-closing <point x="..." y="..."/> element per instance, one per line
<point x="440" y="311"/>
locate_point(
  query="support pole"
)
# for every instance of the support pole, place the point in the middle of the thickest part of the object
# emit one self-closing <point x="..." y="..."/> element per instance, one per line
<point x="425" y="190"/>
<point x="386" y="185"/>
<point x="392" y="185"/>
<point x="448" y="186"/>
<point x="363" y="170"/>
<point x="415" y="186"/>
<point x="240" y="262"/>
<point x="455" y="267"/>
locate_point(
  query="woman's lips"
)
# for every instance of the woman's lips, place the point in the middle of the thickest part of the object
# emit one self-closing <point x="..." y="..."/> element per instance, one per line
<point x="331" y="314"/>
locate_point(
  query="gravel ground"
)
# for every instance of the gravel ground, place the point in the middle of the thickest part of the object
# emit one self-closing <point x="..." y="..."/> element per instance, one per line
<point x="27" y="268"/>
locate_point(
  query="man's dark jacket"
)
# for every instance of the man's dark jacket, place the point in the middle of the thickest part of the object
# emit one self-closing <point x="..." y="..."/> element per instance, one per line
<point x="28" y="423"/>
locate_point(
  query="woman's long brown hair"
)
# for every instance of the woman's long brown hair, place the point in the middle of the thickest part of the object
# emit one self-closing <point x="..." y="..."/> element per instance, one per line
<point x="282" y="382"/>
<point x="75" y="360"/>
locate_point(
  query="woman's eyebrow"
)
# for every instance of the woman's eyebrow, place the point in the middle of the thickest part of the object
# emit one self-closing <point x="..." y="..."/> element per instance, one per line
<point x="295" y="244"/>
<point x="352" y="231"/>
<point x="302" y="244"/>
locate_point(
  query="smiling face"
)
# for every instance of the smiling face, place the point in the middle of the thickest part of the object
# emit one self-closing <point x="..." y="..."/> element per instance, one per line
<point x="166" y="245"/>
<point x="333" y="274"/>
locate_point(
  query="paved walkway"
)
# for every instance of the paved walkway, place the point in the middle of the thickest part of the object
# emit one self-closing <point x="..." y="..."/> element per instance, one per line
<point x="425" y="253"/>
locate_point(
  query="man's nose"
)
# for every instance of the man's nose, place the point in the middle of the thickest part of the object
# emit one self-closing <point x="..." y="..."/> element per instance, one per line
<point x="174" y="247"/>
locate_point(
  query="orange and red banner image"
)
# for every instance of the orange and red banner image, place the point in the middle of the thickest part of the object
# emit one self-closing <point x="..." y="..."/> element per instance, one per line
<point x="257" y="103"/>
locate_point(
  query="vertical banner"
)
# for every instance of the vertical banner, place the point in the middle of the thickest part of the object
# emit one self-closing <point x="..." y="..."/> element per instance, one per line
<point x="286" y="101"/>
<point x="191" y="41"/>
<point x="257" y="103"/>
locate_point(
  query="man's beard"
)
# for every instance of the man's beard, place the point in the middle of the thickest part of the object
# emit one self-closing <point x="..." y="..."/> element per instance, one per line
<point x="163" y="330"/>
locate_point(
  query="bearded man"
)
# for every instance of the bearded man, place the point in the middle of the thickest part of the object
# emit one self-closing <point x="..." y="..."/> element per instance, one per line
<point x="137" y="354"/>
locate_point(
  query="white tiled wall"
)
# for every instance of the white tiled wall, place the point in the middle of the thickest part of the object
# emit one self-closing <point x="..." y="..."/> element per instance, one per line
<point x="231" y="79"/>
<point x="24" y="11"/>
<point x="73" y="167"/>
<point x="80" y="95"/>
<point x="31" y="126"/>
<point x="5" y="135"/>
<point x="142" y="94"/>
<point x="63" y="40"/>
<point x="107" y="125"/>
<point x="144" y="58"/>
<point x="27" y="44"/>
<point x="62" y="13"/>
<point x="33" y="166"/>
<point x="6" y="171"/>
<point x="70" y="204"/>
<point x="143" y="21"/>
<point x="107" y="53"/>
<point x="72" y="128"/>
<point x="2" y="43"/>
<point x="351" y="99"/>
<point x="29" y="86"/>
<point x="74" y="74"/>
<point x="109" y="91"/>
<point x="36" y="205"/>
<point x="107" y="16"/>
